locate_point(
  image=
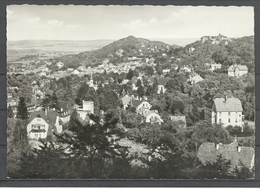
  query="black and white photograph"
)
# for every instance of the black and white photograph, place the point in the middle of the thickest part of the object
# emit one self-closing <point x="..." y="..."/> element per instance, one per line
<point x="130" y="92"/>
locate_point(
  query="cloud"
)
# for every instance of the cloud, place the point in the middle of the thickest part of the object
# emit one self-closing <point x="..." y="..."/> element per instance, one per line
<point x="33" y="20"/>
<point x="55" y="23"/>
<point x="71" y="26"/>
<point x="11" y="14"/>
<point x="135" y="24"/>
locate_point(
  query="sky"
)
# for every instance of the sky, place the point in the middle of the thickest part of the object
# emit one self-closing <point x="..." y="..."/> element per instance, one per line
<point x="33" y="22"/>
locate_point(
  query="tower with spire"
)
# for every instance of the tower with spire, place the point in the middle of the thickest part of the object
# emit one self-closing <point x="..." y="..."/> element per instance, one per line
<point x="91" y="82"/>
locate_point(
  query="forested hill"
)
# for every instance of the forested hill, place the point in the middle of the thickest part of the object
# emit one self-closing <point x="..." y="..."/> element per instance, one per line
<point x="235" y="50"/>
<point x="118" y="51"/>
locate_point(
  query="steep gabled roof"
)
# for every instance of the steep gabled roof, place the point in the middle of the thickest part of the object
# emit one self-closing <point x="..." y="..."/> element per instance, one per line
<point x="50" y="118"/>
<point x="126" y="99"/>
<point x="240" y="67"/>
<point x="228" y="105"/>
<point x="208" y="152"/>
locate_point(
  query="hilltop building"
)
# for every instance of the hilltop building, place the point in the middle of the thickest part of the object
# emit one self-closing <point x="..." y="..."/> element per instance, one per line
<point x="215" y="39"/>
<point x="237" y="70"/>
<point x="208" y="152"/>
<point x="226" y="111"/>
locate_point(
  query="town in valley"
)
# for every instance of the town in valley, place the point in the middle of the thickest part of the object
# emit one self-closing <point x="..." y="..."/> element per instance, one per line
<point x="133" y="108"/>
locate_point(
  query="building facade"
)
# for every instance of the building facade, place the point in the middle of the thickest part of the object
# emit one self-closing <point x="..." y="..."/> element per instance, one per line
<point x="86" y="108"/>
<point x="237" y="70"/>
<point x="225" y="111"/>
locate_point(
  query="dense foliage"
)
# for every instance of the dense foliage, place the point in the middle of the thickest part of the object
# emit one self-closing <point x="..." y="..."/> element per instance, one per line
<point x="91" y="148"/>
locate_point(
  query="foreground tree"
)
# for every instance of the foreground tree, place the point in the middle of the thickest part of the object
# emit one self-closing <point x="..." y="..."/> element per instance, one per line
<point x="88" y="149"/>
<point x="10" y="113"/>
<point x="22" y="112"/>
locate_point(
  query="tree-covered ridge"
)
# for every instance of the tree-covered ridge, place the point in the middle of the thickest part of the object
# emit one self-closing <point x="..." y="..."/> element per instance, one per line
<point x="237" y="51"/>
<point x="118" y="51"/>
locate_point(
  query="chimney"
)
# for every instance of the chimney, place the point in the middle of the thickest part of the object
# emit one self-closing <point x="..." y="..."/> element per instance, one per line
<point x="239" y="148"/>
<point x="225" y="98"/>
<point x="217" y="146"/>
<point x="46" y="111"/>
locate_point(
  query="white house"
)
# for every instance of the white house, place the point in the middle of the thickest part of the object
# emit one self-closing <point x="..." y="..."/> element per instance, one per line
<point x="60" y="65"/>
<point x="165" y="71"/>
<point x="42" y="121"/>
<point x="226" y="111"/>
<point x="194" y="78"/>
<point x="215" y="66"/>
<point x="186" y="69"/>
<point x="161" y="84"/>
<point x="86" y="108"/>
<point x="126" y="101"/>
<point x="237" y="70"/>
<point x="143" y="105"/>
<point x="152" y="116"/>
<point x="75" y="72"/>
<point x="180" y="120"/>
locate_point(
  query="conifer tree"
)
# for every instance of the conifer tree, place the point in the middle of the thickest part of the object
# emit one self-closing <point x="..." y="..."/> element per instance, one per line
<point x="22" y="112"/>
<point x="10" y="112"/>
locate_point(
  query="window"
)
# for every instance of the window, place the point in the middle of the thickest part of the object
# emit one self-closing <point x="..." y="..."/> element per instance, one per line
<point x="219" y="120"/>
<point x="236" y="119"/>
<point x="229" y="113"/>
<point x="229" y="120"/>
<point x="220" y="113"/>
<point x="38" y="119"/>
<point x="36" y="135"/>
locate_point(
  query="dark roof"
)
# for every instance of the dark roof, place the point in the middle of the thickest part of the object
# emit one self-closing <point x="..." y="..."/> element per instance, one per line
<point x="136" y="103"/>
<point x="208" y="152"/>
<point x="230" y="105"/>
<point x="50" y="118"/>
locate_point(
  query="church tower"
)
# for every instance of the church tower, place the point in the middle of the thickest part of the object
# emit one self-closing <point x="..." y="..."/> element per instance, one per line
<point x="91" y="82"/>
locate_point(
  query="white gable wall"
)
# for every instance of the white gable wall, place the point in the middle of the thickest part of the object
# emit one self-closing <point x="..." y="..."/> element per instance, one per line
<point x="43" y="125"/>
